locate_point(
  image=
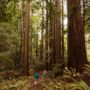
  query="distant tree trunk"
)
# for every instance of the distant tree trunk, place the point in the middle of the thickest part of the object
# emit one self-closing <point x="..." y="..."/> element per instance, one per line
<point x="31" y="46"/>
<point x="42" y="31"/>
<point x="21" y="5"/>
<point x="62" y="30"/>
<point x="46" y="41"/>
<point x="1" y="13"/>
<point x="37" y="43"/>
<point x="57" y="30"/>
<point x="84" y="12"/>
<point x="76" y="39"/>
<point x="51" y="34"/>
<point x="31" y="38"/>
<point x="2" y="10"/>
<point x="26" y="39"/>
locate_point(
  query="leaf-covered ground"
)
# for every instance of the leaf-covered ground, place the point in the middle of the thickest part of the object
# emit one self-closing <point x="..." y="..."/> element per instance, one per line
<point x="27" y="83"/>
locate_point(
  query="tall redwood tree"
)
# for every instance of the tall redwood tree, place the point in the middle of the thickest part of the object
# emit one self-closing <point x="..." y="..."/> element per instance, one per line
<point x="57" y="30"/>
<point x="26" y="40"/>
<point x="76" y="39"/>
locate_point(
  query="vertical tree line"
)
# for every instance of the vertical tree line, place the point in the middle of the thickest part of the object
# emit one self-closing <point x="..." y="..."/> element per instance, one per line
<point x="57" y="30"/>
<point x="52" y="35"/>
<point x="26" y="40"/>
<point x="46" y="38"/>
<point x="76" y="36"/>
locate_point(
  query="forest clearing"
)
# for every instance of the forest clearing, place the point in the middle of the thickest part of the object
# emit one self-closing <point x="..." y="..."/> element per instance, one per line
<point x="44" y="44"/>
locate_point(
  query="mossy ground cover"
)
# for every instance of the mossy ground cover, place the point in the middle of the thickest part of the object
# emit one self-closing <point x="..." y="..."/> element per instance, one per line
<point x="27" y="83"/>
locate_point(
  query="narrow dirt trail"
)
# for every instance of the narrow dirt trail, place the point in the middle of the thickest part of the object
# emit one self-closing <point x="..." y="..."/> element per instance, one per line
<point x="39" y="85"/>
<point x="34" y="87"/>
<point x="1" y="86"/>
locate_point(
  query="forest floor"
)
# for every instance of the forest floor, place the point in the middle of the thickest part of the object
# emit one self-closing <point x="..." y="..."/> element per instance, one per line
<point x="23" y="83"/>
<point x="48" y="83"/>
<point x="27" y="83"/>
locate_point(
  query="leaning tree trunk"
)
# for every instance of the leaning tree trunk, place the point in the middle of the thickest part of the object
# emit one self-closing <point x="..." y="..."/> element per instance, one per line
<point x="26" y="40"/>
<point x="76" y="39"/>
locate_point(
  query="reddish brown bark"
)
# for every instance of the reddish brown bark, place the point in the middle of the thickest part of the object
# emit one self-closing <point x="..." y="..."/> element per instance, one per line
<point x="26" y="39"/>
<point x="57" y="30"/>
<point x="76" y="39"/>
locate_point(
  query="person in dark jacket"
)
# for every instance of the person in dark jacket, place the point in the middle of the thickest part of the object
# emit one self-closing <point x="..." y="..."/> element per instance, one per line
<point x="36" y="78"/>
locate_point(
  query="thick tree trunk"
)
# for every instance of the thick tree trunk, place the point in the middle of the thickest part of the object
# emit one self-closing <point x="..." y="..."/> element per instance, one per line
<point x="76" y="39"/>
<point x="26" y="39"/>
<point x="57" y="30"/>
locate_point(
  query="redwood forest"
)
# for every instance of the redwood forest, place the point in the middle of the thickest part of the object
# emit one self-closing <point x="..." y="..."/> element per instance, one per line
<point x="44" y="44"/>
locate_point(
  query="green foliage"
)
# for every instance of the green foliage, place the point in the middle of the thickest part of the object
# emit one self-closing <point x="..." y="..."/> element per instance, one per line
<point x="9" y="45"/>
<point x="87" y="68"/>
<point x="15" y="84"/>
<point x="60" y="85"/>
<point x="81" y="85"/>
<point x="23" y="83"/>
<point x="57" y="69"/>
<point x="5" y="61"/>
<point x="7" y="10"/>
<point x="87" y="15"/>
<point x="86" y="73"/>
<point x="71" y="75"/>
<point x="54" y="86"/>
